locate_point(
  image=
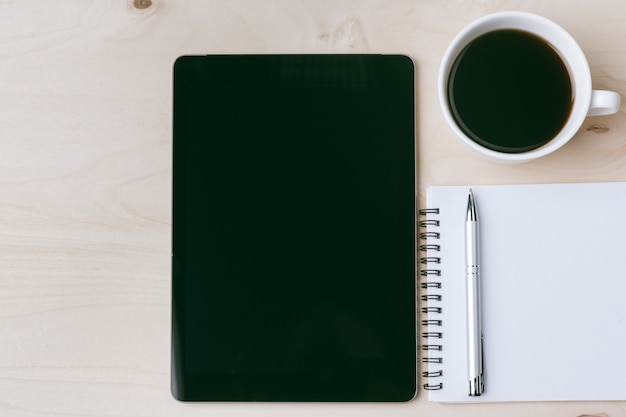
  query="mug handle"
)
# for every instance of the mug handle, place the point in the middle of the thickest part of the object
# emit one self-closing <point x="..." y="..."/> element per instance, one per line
<point x="603" y="103"/>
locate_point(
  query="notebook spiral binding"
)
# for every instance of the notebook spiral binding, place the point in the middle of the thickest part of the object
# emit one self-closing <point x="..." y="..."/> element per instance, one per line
<point x="428" y="272"/>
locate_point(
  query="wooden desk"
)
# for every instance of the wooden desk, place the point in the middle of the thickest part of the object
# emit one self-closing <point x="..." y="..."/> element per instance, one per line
<point x="85" y="178"/>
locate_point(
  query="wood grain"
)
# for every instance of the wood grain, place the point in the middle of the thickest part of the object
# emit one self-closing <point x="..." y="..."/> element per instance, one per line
<point x="85" y="177"/>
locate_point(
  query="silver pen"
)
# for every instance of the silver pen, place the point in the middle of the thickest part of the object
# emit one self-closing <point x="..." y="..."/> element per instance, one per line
<point x="475" y="369"/>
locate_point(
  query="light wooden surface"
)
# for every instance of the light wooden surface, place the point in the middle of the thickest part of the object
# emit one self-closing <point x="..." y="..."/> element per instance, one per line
<point x="85" y="178"/>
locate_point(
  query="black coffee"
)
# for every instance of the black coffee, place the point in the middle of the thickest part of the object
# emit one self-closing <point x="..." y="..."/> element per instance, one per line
<point x="510" y="91"/>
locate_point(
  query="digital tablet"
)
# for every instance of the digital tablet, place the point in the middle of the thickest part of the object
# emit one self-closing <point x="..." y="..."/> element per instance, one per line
<point x="294" y="258"/>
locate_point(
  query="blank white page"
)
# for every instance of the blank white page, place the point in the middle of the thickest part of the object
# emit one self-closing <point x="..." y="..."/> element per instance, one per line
<point x="553" y="276"/>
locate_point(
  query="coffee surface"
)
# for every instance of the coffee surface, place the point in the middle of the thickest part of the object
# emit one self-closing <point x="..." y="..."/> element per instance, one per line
<point x="510" y="91"/>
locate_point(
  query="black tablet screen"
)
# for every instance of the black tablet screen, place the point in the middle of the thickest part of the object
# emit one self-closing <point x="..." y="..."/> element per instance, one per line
<point x="294" y="228"/>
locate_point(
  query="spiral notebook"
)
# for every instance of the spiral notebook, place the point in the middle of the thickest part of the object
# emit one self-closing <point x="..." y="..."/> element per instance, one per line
<point x="553" y="276"/>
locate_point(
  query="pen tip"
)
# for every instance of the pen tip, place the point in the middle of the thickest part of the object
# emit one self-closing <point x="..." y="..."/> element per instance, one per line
<point x="471" y="207"/>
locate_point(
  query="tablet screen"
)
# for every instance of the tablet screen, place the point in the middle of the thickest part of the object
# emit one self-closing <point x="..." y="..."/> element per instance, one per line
<point x="294" y="228"/>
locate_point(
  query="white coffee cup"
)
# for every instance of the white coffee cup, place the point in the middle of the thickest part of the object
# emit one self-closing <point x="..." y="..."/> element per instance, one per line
<point x="586" y="102"/>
